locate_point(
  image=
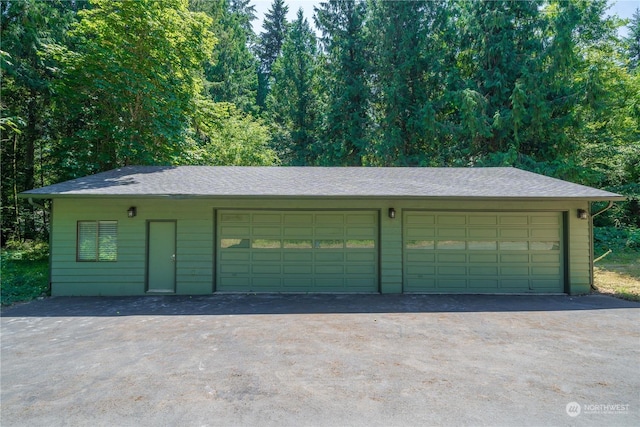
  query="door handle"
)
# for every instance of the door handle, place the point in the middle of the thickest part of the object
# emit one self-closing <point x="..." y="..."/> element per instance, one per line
<point x="173" y="258"/>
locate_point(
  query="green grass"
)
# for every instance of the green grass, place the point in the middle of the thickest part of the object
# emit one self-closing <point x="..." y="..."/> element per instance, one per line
<point x="24" y="273"/>
<point x="618" y="274"/>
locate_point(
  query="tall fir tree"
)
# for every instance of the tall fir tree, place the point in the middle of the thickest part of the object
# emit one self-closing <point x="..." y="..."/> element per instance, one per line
<point x="293" y="101"/>
<point x="633" y="41"/>
<point x="270" y="46"/>
<point x="408" y="80"/>
<point x="231" y="73"/>
<point x="346" y="124"/>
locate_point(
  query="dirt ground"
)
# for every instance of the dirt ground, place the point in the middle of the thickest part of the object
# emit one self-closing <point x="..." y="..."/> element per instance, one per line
<point x="302" y="360"/>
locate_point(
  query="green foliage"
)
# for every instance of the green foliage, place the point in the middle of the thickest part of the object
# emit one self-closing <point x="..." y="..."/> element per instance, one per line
<point x="616" y="239"/>
<point x="270" y="47"/>
<point x="633" y="41"/>
<point x="293" y="102"/>
<point x="231" y="71"/>
<point x="227" y="136"/>
<point x="345" y="133"/>
<point x="24" y="271"/>
<point x="131" y="104"/>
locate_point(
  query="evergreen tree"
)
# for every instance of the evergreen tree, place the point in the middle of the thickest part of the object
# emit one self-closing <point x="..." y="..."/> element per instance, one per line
<point x="408" y="79"/>
<point x="271" y="40"/>
<point x="293" y="103"/>
<point x="231" y="73"/>
<point x="27" y="28"/>
<point x="633" y="40"/>
<point x="345" y="134"/>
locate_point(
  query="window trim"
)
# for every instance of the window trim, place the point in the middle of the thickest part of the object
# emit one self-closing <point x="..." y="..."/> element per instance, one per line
<point x="97" y="239"/>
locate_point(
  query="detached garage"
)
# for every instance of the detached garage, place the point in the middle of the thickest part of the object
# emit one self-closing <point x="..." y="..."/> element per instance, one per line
<point x="199" y="230"/>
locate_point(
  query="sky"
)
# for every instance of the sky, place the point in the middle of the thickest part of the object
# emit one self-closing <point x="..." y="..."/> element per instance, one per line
<point x="622" y="8"/>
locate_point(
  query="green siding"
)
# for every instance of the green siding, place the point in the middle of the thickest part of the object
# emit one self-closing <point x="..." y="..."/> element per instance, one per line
<point x="196" y="240"/>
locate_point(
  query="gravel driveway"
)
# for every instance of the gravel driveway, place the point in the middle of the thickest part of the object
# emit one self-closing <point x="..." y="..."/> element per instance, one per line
<point x="321" y="360"/>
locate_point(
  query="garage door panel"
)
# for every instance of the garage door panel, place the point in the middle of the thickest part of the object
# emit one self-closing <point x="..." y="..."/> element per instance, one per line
<point x="451" y="232"/>
<point x="419" y="257"/>
<point x="265" y="269"/>
<point x="230" y="231"/>
<point x="451" y="271"/>
<point x="297" y="269"/>
<point x="546" y="271"/>
<point x="483" y="220"/>
<point x="235" y="217"/>
<point x="266" y="256"/>
<point x="545" y="234"/>
<point x="482" y="232"/>
<point x="368" y="257"/>
<point x="416" y="270"/>
<point x="329" y="257"/>
<point x="483" y="271"/>
<point x="297" y="282"/>
<point x="298" y="257"/>
<point x="514" y="220"/>
<point x="297" y="218"/>
<point x="452" y="284"/>
<point x="484" y="284"/>
<point x="514" y="271"/>
<point x="360" y="220"/>
<point x="457" y="258"/>
<point x="329" y="219"/>
<point x="485" y="252"/>
<point x="266" y="218"/>
<point x="483" y="258"/>
<point x="298" y="251"/>
<point x="514" y="233"/>
<point x="544" y="258"/>
<point x="235" y="256"/>
<point x="234" y="268"/>
<point x="545" y="285"/>
<point x="365" y="269"/>
<point x="545" y="219"/>
<point x="519" y="258"/>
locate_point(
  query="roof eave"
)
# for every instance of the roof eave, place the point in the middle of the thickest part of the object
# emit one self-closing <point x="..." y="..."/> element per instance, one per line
<point x="613" y="197"/>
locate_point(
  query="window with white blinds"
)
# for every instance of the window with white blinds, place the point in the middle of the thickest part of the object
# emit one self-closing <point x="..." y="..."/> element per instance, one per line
<point x="97" y="240"/>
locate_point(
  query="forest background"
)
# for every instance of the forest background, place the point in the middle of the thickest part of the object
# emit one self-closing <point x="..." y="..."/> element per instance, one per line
<point x="543" y="85"/>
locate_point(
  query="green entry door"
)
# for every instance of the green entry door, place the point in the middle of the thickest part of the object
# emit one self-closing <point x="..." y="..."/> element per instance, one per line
<point x="483" y="252"/>
<point x="297" y="251"/>
<point x="161" y="256"/>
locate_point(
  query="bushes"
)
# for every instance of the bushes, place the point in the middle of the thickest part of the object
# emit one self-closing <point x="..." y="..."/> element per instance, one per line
<point x="616" y="239"/>
<point x="25" y="272"/>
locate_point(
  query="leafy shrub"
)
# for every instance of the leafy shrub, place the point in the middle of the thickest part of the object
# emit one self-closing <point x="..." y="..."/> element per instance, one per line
<point x="616" y="238"/>
<point x="25" y="271"/>
<point x="27" y="250"/>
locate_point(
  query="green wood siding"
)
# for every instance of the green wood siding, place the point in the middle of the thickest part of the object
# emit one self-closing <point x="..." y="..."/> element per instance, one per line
<point x="196" y="241"/>
<point x="483" y="252"/>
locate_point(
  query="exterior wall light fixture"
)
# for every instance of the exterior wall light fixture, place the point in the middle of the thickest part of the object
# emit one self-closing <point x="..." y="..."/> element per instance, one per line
<point x="582" y="214"/>
<point x="392" y="213"/>
<point x="132" y="212"/>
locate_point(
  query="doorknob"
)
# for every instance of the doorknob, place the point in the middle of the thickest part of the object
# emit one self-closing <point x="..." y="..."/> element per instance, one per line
<point x="173" y="258"/>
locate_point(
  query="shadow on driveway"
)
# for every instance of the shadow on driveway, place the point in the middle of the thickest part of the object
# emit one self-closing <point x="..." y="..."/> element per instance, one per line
<point x="237" y="304"/>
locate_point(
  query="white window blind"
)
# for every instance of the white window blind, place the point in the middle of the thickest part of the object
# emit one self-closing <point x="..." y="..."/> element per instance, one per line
<point x="97" y="240"/>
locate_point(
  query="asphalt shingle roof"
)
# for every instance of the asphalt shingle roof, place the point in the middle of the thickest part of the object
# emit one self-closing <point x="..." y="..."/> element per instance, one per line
<point x="248" y="181"/>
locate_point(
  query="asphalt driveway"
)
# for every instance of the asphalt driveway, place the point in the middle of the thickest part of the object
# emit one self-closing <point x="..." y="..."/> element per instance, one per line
<point x="298" y="360"/>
